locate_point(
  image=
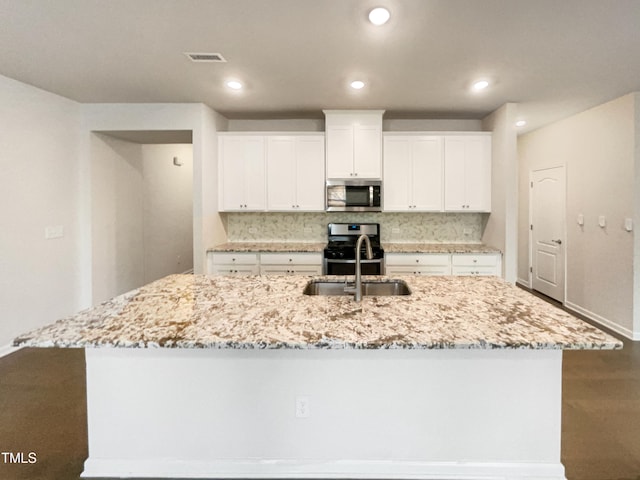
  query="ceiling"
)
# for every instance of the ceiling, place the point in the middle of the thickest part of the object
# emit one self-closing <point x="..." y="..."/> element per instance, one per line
<point x="296" y="57"/>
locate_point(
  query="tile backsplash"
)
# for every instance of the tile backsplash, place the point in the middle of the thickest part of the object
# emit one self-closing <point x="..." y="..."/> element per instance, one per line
<point x="395" y="227"/>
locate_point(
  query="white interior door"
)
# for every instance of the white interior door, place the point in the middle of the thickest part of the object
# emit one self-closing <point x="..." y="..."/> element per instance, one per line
<point x="548" y="231"/>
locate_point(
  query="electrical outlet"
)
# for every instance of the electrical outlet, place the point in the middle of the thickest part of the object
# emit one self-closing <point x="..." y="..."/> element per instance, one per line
<point x="253" y="230"/>
<point x="466" y="231"/>
<point x="395" y="230"/>
<point x="302" y="407"/>
<point x="307" y="229"/>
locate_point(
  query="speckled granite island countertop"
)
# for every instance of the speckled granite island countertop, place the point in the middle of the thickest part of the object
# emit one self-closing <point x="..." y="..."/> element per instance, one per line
<point x="274" y="247"/>
<point x="438" y="248"/>
<point x="196" y="311"/>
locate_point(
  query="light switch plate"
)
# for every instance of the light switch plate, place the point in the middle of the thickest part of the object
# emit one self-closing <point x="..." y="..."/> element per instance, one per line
<point x="602" y="221"/>
<point x="628" y="224"/>
<point x="55" y="231"/>
<point x="580" y="219"/>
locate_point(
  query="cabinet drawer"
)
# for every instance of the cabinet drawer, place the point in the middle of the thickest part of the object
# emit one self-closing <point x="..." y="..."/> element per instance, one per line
<point x="233" y="258"/>
<point x="465" y="259"/>
<point x="295" y="258"/>
<point x="234" y="269"/>
<point x="440" y="259"/>
<point x="469" y="270"/>
<point x="418" y="270"/>
<point x="290" y="270"/>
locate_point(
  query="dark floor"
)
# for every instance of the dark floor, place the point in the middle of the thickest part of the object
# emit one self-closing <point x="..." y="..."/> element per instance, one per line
<point x="43" y="410"/>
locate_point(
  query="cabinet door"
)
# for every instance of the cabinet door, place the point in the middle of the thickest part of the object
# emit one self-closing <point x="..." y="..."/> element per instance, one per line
<point x="339" y="151"/>
<point x="242" y="176"/>
<point x="281" y="173"/>
<point x="478" y="173"/>
<point x="426" y="176"/>
<point x="309" y="178"/>
<point x="397" y="195"/>
<point x="232" y="173"/>
<point x="367" y="151"/>
<point x="467" y="173"/>
<point x="454" y="174"/>
<point x="255" y="175"/>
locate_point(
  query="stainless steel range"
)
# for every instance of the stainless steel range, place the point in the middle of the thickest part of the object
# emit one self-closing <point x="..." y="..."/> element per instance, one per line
<point x="340" y="254"/>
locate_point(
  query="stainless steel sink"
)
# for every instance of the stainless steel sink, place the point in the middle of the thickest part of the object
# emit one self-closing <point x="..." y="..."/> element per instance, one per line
<point x="391" y="287"/>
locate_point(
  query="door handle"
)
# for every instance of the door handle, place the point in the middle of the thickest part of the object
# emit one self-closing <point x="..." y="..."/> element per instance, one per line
<point x="559" y="242"/>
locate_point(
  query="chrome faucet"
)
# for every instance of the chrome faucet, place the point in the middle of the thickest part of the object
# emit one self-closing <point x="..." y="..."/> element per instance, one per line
<point x="357" y="291"/>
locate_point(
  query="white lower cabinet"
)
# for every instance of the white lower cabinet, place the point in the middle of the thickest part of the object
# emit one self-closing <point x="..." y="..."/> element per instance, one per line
<point x="223" y="263"/>
<point x="443" y="264"/>
<point x="291" y="263"/>
<point x="255" y="263"/>
<point x="476" y="264"/>
<point x="417" y="264"/>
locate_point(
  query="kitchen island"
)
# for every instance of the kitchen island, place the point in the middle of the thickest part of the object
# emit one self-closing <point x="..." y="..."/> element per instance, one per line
<point x="248" y="378"/>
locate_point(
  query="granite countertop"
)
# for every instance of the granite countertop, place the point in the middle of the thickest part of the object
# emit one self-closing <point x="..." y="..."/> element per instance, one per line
<point x="389" y="247"/>
<point x="438" y="248"/>
<point x="196" y="311"/>
<point x="275" y="247"/>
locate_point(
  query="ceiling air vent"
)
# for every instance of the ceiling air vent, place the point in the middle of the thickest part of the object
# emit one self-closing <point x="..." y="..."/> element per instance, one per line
<point x="206" y="57"/>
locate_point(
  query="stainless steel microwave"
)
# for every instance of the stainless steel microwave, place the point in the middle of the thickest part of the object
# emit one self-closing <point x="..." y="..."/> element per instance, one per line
<point x="354" y="196"/>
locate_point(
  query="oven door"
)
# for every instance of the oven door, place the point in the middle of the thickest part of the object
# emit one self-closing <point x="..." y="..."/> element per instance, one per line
<point x="348" y="267"/>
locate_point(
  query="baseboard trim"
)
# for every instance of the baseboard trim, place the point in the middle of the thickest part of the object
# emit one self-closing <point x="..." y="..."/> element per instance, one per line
<point x="334" y="469"/>
<point x="523" y="282"/>
<point x="8" y="350"/>
<point x="625" y="332"/>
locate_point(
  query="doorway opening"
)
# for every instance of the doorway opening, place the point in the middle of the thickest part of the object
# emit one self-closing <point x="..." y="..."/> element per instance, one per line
<point x="141" y="208"/>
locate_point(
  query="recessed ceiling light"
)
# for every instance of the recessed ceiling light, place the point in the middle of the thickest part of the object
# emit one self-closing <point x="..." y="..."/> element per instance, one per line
<point x="234" y="85"/>
<point x="379" y="16"/>
<point x="357" y="84"/>
<point x="521" y="123"/>
<point x="480" y="85"/>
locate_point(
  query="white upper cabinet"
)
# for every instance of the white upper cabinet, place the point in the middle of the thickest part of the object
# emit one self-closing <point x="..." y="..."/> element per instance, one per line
<point x="413" y="173"/>
<point x="295" y="173"/>
<point x="467" y="173"/>
<point x="354" y="144"/>
<point x="242" y="173"/>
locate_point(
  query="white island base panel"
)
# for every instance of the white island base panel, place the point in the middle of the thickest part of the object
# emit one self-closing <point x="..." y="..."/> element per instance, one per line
<point x="324" y="413"/>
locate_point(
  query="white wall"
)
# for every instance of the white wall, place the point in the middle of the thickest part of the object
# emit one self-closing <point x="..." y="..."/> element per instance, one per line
<point x="388" y="125"/>
<point x="431" y="125"/>
<point x="168" y="210"/>
<point x="599" y="149"/>
<point x="117" y="216"/>
<point x="276" y="125"/>
<point x="501" y="229"/>
<point x="39" y="165"/>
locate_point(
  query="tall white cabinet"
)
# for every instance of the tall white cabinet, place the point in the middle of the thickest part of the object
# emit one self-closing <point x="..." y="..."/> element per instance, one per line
<point x="467" y="173"/>
<point x="295" y="173"/>
<point x="413" y="173"/>
<point x="353" y="144"/>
